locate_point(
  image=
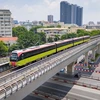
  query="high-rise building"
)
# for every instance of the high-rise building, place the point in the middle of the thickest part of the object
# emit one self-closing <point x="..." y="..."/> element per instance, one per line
<point x="70" y="13"/>
<point x="79" y="16"/>
<point x="5" y="23"/>
<point x="50" y="18"/>
<point x="98" y="23"/>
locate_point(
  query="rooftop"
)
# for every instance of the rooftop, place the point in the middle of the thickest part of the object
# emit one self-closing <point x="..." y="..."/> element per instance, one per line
<point x="8" y="38"/>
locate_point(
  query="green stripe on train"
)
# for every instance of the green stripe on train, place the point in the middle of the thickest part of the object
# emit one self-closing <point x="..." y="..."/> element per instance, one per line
<point x="65" y="47"/>
<point x="70" y="45"/>
<point x="33" y="58"/>
<point x="38" y="56"/>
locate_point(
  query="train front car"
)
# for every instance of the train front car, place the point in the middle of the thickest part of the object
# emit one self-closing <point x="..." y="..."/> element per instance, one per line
<point x="14" y="58"/>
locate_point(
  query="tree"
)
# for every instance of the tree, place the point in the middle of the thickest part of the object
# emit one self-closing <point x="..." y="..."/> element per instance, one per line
<point x="50" y="26"/>
<point x="3" y="49"/>
<point x="31" y="39"/>
<point x="26" y="40"/>
<point x="34" y="28"/>
<point x="50" y="39"/>
<point x="56" y="38"/>
<point x="95" y="32"/>
<point x="73" y="35"/>
<point x="58" y="26"/>
<point x="16" y="31"/>
<point x="81" y="32"/>
<point x="42" y="37"/>
<point x="13" y="47"/>
<point x="64" y="36"/>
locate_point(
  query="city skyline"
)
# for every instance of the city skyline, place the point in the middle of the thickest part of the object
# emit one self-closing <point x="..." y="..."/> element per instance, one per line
<point x="38" y="10"/>
<point x="71" y="13"/>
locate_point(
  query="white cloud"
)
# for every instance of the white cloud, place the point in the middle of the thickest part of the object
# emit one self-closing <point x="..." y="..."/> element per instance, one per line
<point x="86" y="3"/>
<point x="52" y="4"/>
<point x="47" y="2"/>
<point x="95" y="1"/>
<point x="28" y="8"/>
<point x="41" y="10"/>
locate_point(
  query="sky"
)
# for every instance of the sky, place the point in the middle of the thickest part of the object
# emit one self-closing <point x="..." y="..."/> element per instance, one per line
<point x="23" y="10"/>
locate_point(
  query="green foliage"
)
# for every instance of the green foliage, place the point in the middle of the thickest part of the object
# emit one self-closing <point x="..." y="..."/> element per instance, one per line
<point x="34" y="29"/>
<point x="27" y="38"/>
<point x="16" y="31"/>
<point x="64" y="36"/>
<point x="13" y="47"/>
<point x="81" y="32"/>
<point x="71" y="35"/>
<point x="50" y="39"/>
<point x="58" y="26"/>
<point x="50" y="26"/>
<point x="3" y="49"/>
<point x="56" y="38"/>
<point x="97" y="55"/>
<point x="31" y="39"/>
<point x="95" y="32"/>
<point x="69" y="27"/>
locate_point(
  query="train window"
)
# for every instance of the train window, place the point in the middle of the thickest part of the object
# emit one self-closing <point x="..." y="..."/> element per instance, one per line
<point x="38" y="51"/>
<point x="13" y="57"/>
<point x="22" y="56"/>
<point x="65" y="43"/>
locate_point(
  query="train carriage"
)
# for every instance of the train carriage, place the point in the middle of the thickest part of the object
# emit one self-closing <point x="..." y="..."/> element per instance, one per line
<point x="22" y="57"/>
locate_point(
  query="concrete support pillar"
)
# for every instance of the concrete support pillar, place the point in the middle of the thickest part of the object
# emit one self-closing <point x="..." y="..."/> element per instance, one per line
<point x="80" y="58"/>
<point x="98" y="50"/>
<point x="70" y="68"/>
<point x="93" y="53"/>
<point x="86" y="59"/>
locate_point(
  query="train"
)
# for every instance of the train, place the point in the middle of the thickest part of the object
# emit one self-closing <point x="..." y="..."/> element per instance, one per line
<point x="23" y="57"/>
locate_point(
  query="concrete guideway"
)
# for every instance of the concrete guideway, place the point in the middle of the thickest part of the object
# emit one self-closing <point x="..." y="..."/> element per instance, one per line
<point x="20" y="80"/>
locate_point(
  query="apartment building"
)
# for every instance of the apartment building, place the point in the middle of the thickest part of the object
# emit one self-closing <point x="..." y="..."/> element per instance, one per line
<point x="50" y="32"/>
<point x="5" y="23"/>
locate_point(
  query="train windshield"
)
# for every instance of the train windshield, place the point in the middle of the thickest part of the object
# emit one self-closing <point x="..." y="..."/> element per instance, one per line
<point x="13" y="57"/>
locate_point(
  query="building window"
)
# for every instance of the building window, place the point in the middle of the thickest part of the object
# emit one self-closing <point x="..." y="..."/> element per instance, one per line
<point x="2" y="34"/>
<point x="6" y="14"/>
<point x="1" y="18"/>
